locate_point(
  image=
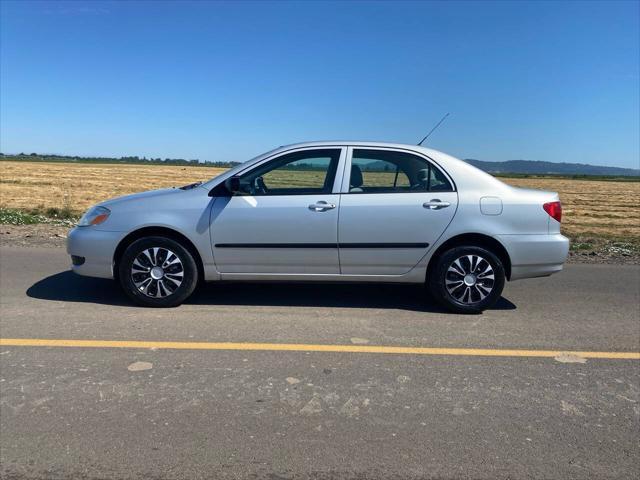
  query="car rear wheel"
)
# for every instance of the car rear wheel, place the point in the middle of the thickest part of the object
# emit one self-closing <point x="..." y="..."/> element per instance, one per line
<point x="157" y="272"/>
<point x="467" y="279"/>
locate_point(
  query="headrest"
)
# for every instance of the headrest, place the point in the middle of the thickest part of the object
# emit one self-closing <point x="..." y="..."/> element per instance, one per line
<point x="423" y="175"/>
<point x="356" y="176"/>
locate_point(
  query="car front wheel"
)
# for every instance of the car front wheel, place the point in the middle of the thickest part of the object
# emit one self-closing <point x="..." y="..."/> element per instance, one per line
<point x="157" y="272"/>
<point x="467" y="279"/>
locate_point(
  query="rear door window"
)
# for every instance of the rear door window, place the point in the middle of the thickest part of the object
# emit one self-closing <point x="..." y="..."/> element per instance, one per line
<point x="388" y="171"/>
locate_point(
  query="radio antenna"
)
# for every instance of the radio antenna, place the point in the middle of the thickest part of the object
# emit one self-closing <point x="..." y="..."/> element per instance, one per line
<point x="432" y="130"/>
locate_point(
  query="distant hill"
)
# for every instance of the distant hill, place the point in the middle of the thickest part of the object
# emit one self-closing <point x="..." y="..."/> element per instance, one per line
<point x="535" y="167"/>
<point x="517" y="167"/>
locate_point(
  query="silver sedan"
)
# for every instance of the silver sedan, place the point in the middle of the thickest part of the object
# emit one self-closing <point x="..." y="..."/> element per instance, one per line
<point x="328" y="211"/>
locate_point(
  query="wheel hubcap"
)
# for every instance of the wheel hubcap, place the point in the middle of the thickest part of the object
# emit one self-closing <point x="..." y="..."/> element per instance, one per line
<point x="470" y="279"/>
<point x="157" y="272"/>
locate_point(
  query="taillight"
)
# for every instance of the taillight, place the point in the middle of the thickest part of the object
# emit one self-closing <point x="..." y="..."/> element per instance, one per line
<point x="554" y="209"/>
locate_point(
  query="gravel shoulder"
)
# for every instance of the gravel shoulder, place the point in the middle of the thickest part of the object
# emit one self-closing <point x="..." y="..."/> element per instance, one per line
<point x="50" y="235"/>
<point x="37" y="235"/>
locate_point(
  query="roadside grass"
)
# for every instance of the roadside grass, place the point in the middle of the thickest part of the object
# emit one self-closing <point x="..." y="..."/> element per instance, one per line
<point x="610" y="244"/>
<point x="52" y="216"/>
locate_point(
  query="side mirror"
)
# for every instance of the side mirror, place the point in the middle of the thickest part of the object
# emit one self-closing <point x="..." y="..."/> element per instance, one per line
<point x="232" y="184"/>
<point x="229" y="187"/>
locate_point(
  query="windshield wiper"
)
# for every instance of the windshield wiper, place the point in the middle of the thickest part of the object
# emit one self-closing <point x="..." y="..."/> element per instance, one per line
<point x="190" y="186"/>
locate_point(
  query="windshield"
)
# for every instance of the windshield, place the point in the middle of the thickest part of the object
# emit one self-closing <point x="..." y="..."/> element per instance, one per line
<point x="232" y="171"/>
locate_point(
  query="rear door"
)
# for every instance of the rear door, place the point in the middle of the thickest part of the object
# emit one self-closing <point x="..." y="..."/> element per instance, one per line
<point x="285" y="220"/>
<point x="394" y="206"/>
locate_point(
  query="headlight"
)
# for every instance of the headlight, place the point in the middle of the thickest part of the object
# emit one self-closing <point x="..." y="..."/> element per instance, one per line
<point x="94" y="216"/>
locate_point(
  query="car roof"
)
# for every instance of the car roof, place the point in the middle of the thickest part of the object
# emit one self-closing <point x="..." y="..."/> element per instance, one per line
<point x="359" y="143"/>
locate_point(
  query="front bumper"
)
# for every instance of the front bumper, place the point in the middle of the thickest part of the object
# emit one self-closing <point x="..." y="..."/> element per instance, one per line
<point x="97" y="247"/>
<point x="535" y="255"/>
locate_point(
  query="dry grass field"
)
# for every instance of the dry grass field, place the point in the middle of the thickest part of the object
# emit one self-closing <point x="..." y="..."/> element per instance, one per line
<point x="601" y="208"/>
<point x="77" y="186"/>
<point x="593" y="207"/>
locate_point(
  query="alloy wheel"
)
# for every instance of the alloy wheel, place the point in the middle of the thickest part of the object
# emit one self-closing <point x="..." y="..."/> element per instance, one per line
<point x="469" y="279"/>
<point x="157" y="272"/>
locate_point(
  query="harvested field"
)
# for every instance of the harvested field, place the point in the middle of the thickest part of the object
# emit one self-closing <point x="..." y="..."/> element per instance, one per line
<point x="602" y="208"/>
<point x="593" y="207"/>
<point x="77" y="186"/>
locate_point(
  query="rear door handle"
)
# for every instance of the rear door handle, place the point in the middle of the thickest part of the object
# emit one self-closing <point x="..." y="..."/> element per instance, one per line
<point x="435" y="204"/>
<point x="321" y="206"/>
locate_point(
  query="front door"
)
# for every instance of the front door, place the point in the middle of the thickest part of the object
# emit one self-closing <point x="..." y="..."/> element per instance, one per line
<point x="394" y="207"/>
<point x="285" y="220"/>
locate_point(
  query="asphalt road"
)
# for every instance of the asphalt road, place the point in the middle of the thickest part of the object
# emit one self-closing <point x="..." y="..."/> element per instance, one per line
<point x="166" y="414"/>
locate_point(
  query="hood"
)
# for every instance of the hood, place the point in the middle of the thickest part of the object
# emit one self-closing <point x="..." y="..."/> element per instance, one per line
<point x="140" y="196"/>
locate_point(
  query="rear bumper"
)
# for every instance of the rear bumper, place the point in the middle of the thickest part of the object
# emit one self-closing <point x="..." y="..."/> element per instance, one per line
<point x="96" y="247"/>
<point x="535" y="255"/>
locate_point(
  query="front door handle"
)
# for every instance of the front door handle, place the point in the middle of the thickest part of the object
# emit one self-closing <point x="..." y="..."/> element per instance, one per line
<point x="321" y="206"/>
<point x="435" y="204"/>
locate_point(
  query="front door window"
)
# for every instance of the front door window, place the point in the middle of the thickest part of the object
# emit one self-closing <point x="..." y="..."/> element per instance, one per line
<point x="300" y="173"/>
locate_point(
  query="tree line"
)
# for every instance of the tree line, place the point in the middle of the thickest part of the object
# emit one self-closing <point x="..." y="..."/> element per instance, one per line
<point x="37" y="157"/>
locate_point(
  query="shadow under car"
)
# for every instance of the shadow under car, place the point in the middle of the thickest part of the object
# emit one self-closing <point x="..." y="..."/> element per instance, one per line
<point x="69" y="287"/>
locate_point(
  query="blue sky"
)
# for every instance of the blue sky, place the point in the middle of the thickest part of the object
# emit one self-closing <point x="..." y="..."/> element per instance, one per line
<point x="555" y="81"/>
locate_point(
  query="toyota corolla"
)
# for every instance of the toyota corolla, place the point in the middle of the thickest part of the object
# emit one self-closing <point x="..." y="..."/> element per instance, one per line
<point x="328" y="212"/>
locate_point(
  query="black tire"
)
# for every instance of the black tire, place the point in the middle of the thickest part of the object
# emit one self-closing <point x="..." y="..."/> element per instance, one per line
<point x="168" y="294"/>
<point x="444" y="284"/>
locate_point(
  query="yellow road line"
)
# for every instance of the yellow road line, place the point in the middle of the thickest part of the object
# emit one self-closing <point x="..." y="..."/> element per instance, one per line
<point x="298" y="347"/>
